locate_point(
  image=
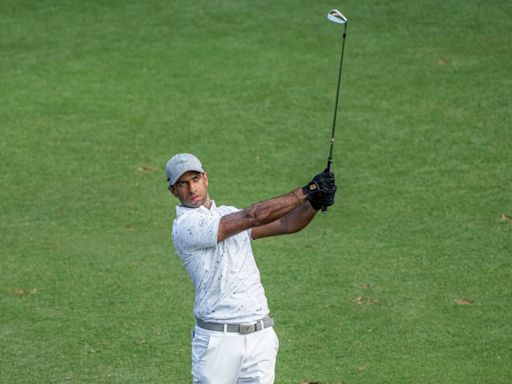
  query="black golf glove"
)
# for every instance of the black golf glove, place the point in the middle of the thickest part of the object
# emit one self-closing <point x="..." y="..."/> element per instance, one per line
<point x="322" y="188"/>
<point x="324" y="200"/>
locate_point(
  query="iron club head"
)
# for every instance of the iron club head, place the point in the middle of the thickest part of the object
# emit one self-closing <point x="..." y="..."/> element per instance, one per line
<point x="336" y="16"/>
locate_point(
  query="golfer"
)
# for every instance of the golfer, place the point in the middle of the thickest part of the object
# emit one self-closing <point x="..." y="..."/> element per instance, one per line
<point x="233" y="339"/>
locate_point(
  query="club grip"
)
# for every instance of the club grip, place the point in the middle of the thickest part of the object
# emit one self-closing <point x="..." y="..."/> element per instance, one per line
<point x="327" y="169"/>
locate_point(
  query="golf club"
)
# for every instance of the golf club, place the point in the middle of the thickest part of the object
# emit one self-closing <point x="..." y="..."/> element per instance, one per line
<point x="336" y="17"/>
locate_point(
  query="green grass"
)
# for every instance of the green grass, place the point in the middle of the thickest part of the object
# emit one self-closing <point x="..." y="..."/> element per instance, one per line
<point x="407" y="279"/>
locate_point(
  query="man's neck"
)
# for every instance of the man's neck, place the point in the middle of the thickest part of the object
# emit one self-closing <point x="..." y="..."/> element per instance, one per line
<point x="208" y="202"/>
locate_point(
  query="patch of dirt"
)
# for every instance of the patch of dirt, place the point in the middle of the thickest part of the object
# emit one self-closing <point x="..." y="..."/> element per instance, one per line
<point x="506" y="218"/>
<point x="364" y="300"/>
<point x="147" y="169"/>
<point x="25" y="291"/>
<point x="464" y="301"/>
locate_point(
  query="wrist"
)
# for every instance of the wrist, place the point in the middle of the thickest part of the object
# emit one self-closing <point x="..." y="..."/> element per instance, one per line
<point x="310" y="190"/>
<point x="305" y="192"/>
<point x="301" y="194"/>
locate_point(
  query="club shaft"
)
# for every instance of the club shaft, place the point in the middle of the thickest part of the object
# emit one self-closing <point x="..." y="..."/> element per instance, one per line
<point x="336" y="102"/>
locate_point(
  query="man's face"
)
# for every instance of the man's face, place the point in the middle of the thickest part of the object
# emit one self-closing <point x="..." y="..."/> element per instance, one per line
<point x="192" y="189"/>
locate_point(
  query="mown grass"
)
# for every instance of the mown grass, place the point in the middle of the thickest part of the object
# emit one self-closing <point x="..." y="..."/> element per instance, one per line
<point x="407" y="279"/>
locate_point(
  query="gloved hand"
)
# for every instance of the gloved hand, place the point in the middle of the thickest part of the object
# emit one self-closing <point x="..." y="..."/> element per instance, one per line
<point x="321" y="189"/>
<point x="324" y="200"/>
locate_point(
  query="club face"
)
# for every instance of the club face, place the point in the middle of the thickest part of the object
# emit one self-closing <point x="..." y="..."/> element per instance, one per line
<point x="336" y="16"/>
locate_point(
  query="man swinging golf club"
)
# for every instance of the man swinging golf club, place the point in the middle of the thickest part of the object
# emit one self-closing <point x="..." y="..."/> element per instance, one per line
<point x="234" y="341"/>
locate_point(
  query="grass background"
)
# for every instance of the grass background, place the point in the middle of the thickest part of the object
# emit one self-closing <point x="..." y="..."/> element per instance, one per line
<point x="407" y="279"/>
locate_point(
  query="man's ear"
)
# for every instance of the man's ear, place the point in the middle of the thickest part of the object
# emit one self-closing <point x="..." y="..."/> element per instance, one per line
<point x="171" y="189"/>
<point x="205" y="175"/>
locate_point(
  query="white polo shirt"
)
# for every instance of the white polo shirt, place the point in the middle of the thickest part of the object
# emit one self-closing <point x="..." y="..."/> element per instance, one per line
<point x="227" y="281"/>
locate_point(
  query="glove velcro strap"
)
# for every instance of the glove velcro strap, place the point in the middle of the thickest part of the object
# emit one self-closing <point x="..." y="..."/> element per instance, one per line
<point x="310" y="190"/>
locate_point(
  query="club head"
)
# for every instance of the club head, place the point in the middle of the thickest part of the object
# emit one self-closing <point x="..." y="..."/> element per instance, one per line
<point x="336" y="17"/>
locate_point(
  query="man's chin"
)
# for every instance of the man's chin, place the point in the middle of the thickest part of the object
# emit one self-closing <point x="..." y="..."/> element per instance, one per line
<point x="193" y="204"/>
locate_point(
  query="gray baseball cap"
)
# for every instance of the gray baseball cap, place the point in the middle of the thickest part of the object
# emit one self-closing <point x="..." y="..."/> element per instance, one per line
<point x="179" y="164"/>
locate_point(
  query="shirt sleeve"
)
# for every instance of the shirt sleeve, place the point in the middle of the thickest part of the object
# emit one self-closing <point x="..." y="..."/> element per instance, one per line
<point x="195" y="231"/>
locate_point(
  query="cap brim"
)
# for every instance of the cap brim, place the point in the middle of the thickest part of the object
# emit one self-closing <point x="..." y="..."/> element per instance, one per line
<point x="172" y="182"/>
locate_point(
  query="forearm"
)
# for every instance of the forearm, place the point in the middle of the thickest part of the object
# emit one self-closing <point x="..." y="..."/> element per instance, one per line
<point x="293" y="222"/>
<point x="260" y="214"/>
<point x="297" y="219"/>
<point x="271" y="210"/>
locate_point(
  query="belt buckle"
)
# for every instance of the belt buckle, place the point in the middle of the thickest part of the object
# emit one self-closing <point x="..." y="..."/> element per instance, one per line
<point x="247" y="328"/>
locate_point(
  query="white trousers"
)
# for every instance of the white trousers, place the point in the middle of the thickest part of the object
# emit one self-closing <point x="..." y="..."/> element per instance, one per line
<point x="232" y="358"/>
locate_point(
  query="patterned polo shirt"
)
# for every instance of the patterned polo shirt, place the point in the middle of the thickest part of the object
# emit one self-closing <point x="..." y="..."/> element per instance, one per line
<point x="227" y="281"/>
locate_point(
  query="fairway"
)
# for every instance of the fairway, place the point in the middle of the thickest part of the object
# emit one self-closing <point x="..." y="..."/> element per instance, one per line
<point x="406" y="279"/>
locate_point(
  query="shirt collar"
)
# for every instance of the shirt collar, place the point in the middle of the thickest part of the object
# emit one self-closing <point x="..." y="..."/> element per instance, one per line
<point x="181" y="209"/>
